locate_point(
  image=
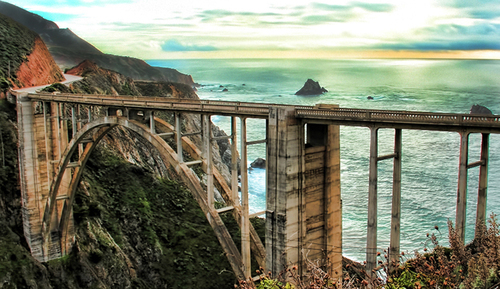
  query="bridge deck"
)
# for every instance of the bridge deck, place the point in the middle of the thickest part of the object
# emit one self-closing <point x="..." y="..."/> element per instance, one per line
<point x="311" y="114"/>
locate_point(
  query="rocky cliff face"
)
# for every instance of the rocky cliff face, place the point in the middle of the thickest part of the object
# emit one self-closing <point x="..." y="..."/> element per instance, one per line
<point x="101" y="81"/>
<point x="24" y="58"/>
<point x="39" y="68"/>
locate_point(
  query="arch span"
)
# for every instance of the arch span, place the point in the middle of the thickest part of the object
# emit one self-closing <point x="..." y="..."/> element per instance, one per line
<point x="59" y="220"/>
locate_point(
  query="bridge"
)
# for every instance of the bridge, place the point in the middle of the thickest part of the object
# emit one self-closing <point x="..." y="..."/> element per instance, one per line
<point x="57" y="134"/>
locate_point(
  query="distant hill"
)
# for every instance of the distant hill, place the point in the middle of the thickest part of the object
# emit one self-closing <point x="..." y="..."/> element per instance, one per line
<point x="68" y="49"/>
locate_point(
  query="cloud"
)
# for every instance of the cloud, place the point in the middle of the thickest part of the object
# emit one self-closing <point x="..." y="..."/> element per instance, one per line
<point x="333" y="17"/>
<point x="147" y="27"/>
<point x="326" y="13"/>
<point x="477" y="9"/>
<point x="173" y="45"/>
<point x="218" y="15"/>
<point x="444" y="45"/>
<point x="329" y="7"/>
<point x="375" y="7"/>
<point x="453" y="30"/>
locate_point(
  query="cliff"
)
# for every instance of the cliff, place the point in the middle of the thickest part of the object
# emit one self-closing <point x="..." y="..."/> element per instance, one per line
<point x="39" y="68"/>
<point x="68" y="49"/>
<point x="101" y="81"/>
<point x="24" y="58"/>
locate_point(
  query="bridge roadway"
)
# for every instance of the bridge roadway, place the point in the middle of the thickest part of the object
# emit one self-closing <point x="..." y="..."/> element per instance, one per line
<point x="288" y="121"/>
<point x="310" y="114"/>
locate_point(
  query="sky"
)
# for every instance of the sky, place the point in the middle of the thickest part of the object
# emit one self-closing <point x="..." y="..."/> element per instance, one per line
<point x="156" y="29"/>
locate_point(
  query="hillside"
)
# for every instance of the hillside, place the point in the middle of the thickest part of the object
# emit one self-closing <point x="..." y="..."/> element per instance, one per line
<point x="24" y="58"/>
<point x="69" y="50"/>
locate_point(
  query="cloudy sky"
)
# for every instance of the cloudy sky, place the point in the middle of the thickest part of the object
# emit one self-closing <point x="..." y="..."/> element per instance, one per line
<point x="259" y="28"/>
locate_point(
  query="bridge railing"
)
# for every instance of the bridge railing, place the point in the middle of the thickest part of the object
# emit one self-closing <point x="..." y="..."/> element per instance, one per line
<point x="161" y="101"/>
<point x="261" y="110"/>
<point x="247" y="108"/>
<point x="364" y="115"/>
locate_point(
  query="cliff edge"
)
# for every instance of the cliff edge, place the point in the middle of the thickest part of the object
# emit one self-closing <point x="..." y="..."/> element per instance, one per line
<point x="24" y="59"/>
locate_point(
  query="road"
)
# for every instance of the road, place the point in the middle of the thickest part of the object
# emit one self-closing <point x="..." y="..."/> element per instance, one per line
<point x="69" y="79"/>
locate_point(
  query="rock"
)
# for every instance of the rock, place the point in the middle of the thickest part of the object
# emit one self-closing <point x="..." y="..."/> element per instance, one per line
<point x="479" y="109"/>
<point x="370" y="97"/>
<point x="225" y="89"/>
<point x="311" y="87"/>
<point x="259" y="163"/>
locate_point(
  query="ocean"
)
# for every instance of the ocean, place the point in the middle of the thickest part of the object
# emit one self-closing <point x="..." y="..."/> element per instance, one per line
<point x="429" y="159"/>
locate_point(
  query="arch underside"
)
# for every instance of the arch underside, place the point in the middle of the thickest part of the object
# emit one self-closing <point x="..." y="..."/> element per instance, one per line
<point x="59" y="220"/>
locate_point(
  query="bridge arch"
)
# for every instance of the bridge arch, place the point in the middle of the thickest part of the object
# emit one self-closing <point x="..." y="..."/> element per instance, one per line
<point x="81" y="146"/>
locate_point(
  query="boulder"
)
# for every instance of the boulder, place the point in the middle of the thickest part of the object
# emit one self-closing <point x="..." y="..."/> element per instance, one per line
<point x="259" y="163"/>
<point x="479" y="109"/>
<point x="311" y="87"/>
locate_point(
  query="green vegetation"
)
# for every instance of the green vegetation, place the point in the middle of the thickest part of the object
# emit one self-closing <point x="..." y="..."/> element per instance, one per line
<point x="156" y="218"/>
<point x="17" y="42"/>
<point x="165" y="89"/>
<point x="57" y="87"/>
<point x="476" y="265"/>
<point x="8" y="150"/>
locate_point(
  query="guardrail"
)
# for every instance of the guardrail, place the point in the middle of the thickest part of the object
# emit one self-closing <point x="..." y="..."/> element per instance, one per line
<point x="364" y="115"/>
<point x="261" y="110"/>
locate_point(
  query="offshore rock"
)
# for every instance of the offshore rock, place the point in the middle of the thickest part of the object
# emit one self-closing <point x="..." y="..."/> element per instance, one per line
<point x="479" y="109"/>
<point x="259" y="163"/>
<point x="311" y="87"/>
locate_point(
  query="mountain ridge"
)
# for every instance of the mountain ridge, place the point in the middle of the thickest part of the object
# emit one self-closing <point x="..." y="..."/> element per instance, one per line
<point x="68" y="49"/>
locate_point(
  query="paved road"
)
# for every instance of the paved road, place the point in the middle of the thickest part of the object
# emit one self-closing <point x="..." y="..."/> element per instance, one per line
<point x="69" y="79"/>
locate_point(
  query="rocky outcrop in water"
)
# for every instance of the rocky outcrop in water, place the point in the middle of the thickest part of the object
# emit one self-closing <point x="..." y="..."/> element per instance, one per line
<point x="479" y="109"/>
<point x="259" y="163"/>
<point x="311" y="87"/>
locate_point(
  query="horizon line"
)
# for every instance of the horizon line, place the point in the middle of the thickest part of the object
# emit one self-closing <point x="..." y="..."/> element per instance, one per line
<point x="328" y="54"/>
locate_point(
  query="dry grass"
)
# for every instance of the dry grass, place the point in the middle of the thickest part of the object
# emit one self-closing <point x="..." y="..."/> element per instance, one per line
<point x="476" y="265"/>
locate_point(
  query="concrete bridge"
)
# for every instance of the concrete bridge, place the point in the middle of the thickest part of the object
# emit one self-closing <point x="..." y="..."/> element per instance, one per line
<point x="58" y="133"/>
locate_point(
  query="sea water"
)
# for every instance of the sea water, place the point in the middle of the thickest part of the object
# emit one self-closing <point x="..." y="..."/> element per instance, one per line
<point x="429" y="158"/>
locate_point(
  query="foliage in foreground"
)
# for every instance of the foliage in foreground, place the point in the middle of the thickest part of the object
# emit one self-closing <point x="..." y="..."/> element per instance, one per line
<point x="476" y="265"/>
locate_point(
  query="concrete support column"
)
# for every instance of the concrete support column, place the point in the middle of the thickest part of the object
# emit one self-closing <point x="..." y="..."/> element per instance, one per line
<point x="483" y="181"/>
<point x="89" y="114"/>
<point x="285" y="142"/>
<point x="73" y="121"/>
<point x="333" y="202"/>
<point x="371" y="239"/>
<point x="152" y="126"/>
<point x="31" y="197"/>
<point x="178" y="134"/>
<point x="59" y="129"/>
<point x="462" y="186"/>
<point x="245" y="220"/>
<point x="234" y="162"/>
<point x="48" y="145"/>
<point x="208" y="157"/>
<point x="394" y="248"/>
